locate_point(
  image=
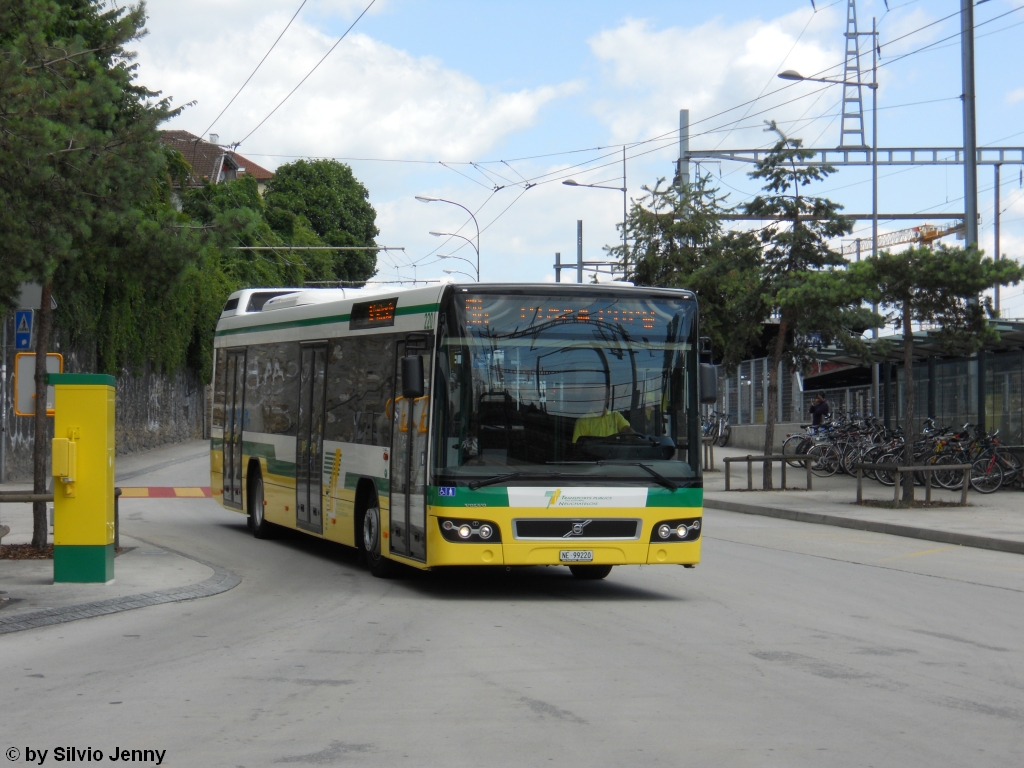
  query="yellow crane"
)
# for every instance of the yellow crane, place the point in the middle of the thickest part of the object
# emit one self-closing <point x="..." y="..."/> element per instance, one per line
<point x="926" y="234"/>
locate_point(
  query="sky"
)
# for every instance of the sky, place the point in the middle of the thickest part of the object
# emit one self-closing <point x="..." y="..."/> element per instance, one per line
<point x="493" y="104"/>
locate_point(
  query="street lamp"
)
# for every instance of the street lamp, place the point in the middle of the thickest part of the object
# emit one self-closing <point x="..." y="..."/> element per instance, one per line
<point x="792" y="74"/>
<point x="425" y="199"/>
<point x="622" y="189"/>
<point x="458" y="272"/>
<point x="461" y="237"/>
<point x="448" y="256"/>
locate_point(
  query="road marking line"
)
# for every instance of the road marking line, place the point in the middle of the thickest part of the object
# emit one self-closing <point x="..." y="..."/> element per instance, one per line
<point x="923" y="552"/>
<point x="165" y="492"/>
<point x="134" y="493"/>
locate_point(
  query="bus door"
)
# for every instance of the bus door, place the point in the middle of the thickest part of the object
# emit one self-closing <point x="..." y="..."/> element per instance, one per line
<point x="234" y="415"/>
<point x="408" y="473"/>
<point x="310" y="439"/>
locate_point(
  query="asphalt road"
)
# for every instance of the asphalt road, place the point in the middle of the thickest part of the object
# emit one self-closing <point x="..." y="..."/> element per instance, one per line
<point x="790" y="645"/>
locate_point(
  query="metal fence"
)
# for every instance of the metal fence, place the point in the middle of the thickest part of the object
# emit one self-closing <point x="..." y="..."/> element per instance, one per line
<point x="954" y="395"/>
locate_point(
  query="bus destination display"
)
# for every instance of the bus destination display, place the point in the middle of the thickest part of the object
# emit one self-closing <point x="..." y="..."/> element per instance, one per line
<point x="372" y="314"/>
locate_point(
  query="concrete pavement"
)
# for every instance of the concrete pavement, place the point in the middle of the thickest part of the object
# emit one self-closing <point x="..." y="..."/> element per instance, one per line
<point x="790" y="645"/>
<point x="992" y="521"/>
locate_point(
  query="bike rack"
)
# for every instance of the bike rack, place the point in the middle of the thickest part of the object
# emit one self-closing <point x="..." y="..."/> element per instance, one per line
<point x="901" y="478"/>
<point x="805" y="460"/>
<point x="709" y="454"/>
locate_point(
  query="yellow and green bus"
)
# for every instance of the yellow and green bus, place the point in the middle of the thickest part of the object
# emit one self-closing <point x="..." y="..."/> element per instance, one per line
<point x="466" y="424"/>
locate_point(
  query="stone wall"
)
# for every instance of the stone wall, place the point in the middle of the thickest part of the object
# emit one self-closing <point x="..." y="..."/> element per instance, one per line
<point x="153" y="409"/>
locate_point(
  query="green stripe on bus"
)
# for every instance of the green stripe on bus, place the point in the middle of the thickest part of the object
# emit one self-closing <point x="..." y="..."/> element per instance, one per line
<point x="314" y="321"/>
<point x="681" y="497"/>
<point x="497" y="496"/>
<point x="491" y="496"/>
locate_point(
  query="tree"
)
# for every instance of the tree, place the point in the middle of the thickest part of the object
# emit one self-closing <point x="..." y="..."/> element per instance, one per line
<point x="940" y="287"/>
<point x="77" y="149"/>
<point x="326" y="197"/>
<point x="801" y="285"/>
<point x="677" y="240"/>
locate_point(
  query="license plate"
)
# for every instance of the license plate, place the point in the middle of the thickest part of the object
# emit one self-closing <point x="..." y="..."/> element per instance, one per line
<point x="576" y="555"/>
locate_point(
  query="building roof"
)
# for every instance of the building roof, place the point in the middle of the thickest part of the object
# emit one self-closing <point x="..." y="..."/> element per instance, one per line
<point x="926" y="344"/>
<point x="208" y="159"/>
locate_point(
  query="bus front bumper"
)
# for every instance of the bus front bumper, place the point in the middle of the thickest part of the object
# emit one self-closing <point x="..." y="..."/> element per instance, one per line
<point x="516" y="552"/>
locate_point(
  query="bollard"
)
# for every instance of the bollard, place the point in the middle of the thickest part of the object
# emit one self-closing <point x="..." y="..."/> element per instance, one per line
<point x="967" y="479"/>
<point x="807" y="468"/>
<point x="860" y="484"/>
<point x="784" y="463"/>
<point x="750" y="474"/>
<point x="83" y="472"/>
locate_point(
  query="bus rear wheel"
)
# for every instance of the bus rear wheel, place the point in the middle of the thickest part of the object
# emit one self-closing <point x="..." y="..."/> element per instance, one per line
<point x="378" y="565"/>
<point x="590" y="572"/>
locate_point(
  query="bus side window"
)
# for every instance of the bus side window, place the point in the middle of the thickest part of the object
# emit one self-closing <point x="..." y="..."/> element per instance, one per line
<point x="217" y="415"/>
<point x="360" y="380"/>
<point x="272" y="388"/>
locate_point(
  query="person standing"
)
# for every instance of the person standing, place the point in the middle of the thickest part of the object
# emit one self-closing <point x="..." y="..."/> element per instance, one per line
<point x="819" y="410"/>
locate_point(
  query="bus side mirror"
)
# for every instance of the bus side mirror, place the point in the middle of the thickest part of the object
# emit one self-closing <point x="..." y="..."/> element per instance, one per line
<point x="412" y="376"/>
<point x="708" y="383"/>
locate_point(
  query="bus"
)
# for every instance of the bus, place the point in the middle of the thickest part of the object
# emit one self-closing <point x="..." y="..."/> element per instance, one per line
<point x="466" y="424"/>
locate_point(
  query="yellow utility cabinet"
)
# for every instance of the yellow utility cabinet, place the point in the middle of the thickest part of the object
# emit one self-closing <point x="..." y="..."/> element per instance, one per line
<point x="83" y="477"/>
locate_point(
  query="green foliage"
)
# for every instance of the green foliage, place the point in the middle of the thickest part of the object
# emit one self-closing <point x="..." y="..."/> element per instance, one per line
<point x="77" y="144"/>
<point x="325" y="197"/>
<point x="86" y="199"/>
<point x="941" y="287"/>
<point x="677" y="241"/>
<point x="801" y="283"/>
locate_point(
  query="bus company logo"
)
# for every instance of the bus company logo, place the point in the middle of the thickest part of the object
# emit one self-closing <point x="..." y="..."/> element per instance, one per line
<point x="557" y="499"/>
<point x="577" y="529"/>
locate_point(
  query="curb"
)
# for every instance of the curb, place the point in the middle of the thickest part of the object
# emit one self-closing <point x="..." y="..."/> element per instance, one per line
<point x="221" y="581"/>
<point x="875" y="526"/>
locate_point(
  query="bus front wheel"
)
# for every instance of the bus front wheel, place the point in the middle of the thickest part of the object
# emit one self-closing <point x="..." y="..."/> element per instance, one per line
<point x="377" y="564"/>
<point x="261" y="529"/>
<point x="590" y="572"/>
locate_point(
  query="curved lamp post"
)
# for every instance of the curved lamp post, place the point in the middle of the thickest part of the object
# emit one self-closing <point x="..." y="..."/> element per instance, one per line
<point x="467" y="261"/>
<point x="458" y="272"/>
<point x="476" y="247"/>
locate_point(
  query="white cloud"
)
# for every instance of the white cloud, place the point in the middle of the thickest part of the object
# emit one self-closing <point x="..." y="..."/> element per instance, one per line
<point x="367" y="98"/>
<point x="709" y="68"/>
<point x="1015" y="96"/>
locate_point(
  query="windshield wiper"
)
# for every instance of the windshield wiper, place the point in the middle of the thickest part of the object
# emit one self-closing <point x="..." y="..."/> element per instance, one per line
<point x="662" y="480"/>
<point x="475" y="484"/>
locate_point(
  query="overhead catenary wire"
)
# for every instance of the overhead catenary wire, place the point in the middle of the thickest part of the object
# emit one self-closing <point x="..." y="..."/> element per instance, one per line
<point x="256" y="69"/>
<point x="308" y="74"/>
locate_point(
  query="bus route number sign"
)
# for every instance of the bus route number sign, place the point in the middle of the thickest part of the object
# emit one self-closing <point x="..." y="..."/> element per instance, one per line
<point x="445" y="490"/>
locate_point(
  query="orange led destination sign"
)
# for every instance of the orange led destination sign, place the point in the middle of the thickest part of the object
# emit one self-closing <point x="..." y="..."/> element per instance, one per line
<point x="372" y="314"/>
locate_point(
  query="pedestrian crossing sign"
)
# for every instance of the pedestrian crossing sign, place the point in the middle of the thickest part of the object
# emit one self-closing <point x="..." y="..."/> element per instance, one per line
<point x="23" y="329"/>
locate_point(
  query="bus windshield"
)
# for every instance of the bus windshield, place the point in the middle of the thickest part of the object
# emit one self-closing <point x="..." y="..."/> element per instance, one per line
<point x="590" y="388"/>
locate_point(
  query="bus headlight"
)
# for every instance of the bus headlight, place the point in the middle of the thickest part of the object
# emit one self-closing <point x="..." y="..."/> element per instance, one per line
<point x="469" y="531"/>
<point x="687" y="529"/>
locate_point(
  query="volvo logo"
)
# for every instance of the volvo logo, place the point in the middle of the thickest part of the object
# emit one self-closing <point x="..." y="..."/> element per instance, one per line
<point x="577" y="529"/>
